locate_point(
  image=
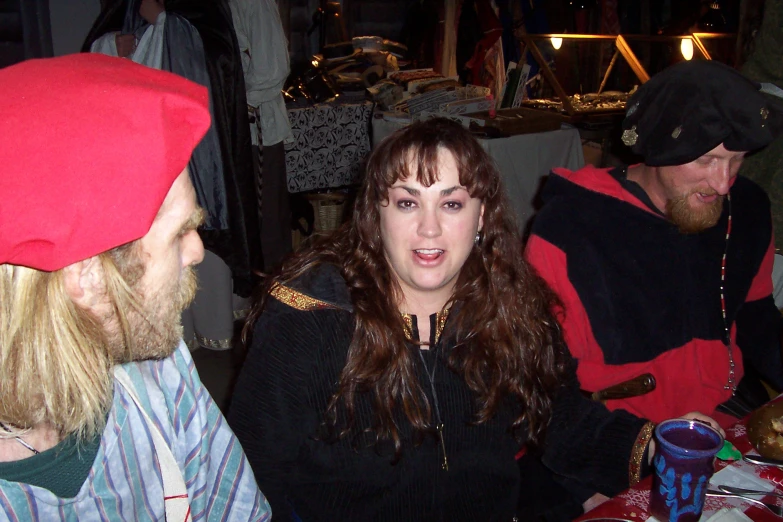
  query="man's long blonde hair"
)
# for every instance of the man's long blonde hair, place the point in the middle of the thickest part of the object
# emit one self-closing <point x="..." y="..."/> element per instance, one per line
<point x="55" y="358"/>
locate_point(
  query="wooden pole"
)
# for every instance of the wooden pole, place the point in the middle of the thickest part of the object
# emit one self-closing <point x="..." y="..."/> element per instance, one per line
<point x="636" y="67"/>
<point x="549" y="75"/>
<point x="608" y="71"/>
<point x="700" y="46"/>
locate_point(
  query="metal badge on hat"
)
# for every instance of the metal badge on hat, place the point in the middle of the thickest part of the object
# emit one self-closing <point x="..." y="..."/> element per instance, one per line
<point x="630" y="136"/>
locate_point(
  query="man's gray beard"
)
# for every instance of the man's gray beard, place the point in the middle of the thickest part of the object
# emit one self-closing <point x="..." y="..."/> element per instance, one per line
<point x="158" y="329"/>
<point x="690" y="221"/>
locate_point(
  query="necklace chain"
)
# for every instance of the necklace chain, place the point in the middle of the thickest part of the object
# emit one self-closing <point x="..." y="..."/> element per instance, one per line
<point x="20" y="440"/>
<point x="439" y="422"/>
<point x="731" y="384"/>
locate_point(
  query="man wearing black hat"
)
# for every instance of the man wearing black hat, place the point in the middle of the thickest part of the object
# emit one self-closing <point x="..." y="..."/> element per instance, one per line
<point x="665" y="267"/>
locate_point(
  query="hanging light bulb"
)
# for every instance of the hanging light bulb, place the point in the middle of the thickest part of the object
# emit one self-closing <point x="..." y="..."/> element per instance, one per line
<point x="686" y="48"/>
<point x="556" y="42"/>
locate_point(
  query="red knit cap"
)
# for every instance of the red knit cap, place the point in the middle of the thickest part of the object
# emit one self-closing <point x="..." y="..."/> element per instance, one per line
<point x="90" y="147"/>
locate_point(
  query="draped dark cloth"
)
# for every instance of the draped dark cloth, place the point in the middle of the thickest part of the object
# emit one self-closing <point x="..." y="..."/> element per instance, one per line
<point x="232" y="230"/>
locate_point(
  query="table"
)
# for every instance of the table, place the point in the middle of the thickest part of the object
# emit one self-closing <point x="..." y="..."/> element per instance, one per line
<point x="633" y="503"/>
<point x="329" y="143"/>
<point x="524" y="160"/>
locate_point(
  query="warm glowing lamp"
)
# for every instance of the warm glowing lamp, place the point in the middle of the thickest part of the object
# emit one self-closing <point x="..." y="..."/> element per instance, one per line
<point x="686" y="48"/>
<point x="556" y="42"/>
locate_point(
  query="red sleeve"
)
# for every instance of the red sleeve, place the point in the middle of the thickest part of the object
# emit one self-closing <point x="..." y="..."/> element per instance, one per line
<point x="550" y="263"/>
<point x="691" y="371"/>
<point x="761" y="286"/>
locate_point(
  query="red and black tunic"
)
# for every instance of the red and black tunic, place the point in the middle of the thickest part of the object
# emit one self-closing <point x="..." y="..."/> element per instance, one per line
<point x="640" y="296"/>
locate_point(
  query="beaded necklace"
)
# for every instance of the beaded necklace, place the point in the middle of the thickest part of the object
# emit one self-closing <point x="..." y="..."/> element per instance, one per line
<point x="731" y="384"/>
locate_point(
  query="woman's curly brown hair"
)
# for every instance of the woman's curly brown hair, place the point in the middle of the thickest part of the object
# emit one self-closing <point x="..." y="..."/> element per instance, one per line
<point x="508" y="341"/>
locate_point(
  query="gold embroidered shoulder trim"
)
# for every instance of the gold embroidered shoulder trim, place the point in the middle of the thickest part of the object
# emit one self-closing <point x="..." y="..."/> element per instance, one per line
<point x="407" y="323"/>
<point x="443" y="316"/>
<point x="440" y="324"/>
<point x="298" y="300"/>
<point x="637" y="453"/>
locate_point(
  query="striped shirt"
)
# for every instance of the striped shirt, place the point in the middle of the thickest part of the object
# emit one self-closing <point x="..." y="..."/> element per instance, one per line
<point x="125" y="483"/>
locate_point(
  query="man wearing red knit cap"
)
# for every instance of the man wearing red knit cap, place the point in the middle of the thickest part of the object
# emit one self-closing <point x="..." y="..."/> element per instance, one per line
<point x="102" y="414"/>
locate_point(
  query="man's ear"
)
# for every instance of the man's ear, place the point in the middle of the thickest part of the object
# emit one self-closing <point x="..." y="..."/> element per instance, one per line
<point x="85" y="282"/>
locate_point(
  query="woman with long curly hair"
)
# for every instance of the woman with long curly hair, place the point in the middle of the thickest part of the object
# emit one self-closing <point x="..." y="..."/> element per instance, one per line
<point x="398" y="366"/>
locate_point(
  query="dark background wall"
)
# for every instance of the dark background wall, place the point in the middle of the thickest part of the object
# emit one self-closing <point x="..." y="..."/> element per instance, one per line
<point x="41" y="28"/>
<point x="71" y="20"/>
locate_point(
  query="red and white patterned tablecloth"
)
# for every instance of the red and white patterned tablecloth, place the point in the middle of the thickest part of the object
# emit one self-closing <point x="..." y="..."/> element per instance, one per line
<point x="633" y="504"/>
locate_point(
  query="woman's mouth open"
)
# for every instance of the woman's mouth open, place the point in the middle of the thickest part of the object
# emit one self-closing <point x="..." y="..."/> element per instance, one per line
<point x="428" y="254"/>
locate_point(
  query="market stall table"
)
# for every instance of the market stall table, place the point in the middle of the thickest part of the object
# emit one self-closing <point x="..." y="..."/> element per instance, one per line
<point x="633" y="504"/>
<point x="330" y="141"/>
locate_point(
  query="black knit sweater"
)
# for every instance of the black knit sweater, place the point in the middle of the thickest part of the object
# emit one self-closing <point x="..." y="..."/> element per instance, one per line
<point x="290" y="374"/>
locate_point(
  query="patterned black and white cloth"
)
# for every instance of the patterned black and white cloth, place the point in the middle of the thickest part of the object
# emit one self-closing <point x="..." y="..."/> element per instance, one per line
<point x="330" y="142"/>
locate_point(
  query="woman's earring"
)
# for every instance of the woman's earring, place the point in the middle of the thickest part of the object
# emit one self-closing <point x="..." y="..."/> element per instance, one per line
<point x="477" y="241"/>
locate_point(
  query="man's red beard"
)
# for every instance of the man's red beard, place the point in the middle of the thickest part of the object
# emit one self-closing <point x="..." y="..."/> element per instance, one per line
<point x="690" y="220"/>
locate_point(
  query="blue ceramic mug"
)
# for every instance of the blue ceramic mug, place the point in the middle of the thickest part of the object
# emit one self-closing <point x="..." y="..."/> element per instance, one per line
<point x="684" y="462"/>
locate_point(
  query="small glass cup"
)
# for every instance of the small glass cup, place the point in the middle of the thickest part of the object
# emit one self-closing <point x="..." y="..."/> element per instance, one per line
<point x="683" y="462"/>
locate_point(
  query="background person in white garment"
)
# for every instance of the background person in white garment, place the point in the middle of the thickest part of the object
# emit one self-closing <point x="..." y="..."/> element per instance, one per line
<point x="265" y="62"/>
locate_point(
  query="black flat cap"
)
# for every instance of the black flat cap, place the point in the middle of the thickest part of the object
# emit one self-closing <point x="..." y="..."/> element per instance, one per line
<point x="690" y="108"/>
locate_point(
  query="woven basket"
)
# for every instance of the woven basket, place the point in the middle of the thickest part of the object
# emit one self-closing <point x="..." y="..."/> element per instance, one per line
<point x="329" y="208"/>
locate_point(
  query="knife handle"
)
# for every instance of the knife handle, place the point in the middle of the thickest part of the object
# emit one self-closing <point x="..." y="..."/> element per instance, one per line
<point x="644" y="383"/>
